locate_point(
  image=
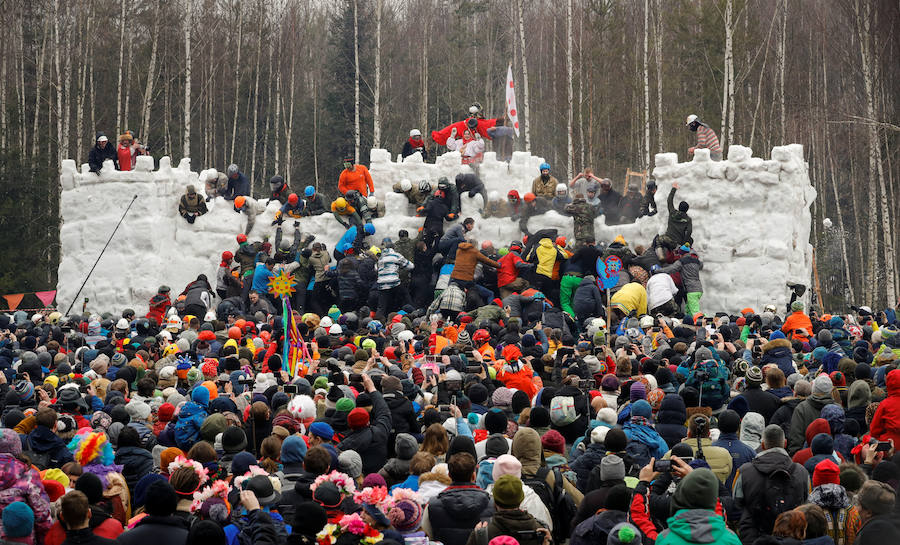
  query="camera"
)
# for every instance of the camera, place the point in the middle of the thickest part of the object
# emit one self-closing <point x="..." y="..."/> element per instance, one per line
<point x="290" y="388"/>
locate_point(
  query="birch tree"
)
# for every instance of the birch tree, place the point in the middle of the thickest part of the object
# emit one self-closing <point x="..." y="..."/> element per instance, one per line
<point x="147" y="104"/>
<point x="728" y="80"/>
<point x="657" y="45"/>
<point x="570" y="150"/>
<point x="356" y="81"/>
<point x="237" y="79"/>
<point x="186" y="123"/>
<point x="520" y="8"/>
<point x="376" y="129"/>
<point x="121" y="67"/>
<point x="646" y="164"/>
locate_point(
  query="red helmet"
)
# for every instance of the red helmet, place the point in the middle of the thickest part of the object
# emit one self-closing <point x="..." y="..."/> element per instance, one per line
<point x="227" y="256"/>
<point x="293" y="199"/>
<point x="481" y="335"/>
<point x="241" y="238"/>
<point x="513" y="195"/>
<point x="529" y="197"/>
<point x="561" y="241"/>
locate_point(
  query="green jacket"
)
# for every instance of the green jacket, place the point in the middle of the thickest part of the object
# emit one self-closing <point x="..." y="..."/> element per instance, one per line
<point x="680" y="227"/>
<point x="583" y="215"/>
<point x="697" y="526"/>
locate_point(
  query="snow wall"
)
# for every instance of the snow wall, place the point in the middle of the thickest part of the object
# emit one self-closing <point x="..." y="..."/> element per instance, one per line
<point x="751" y="222"/>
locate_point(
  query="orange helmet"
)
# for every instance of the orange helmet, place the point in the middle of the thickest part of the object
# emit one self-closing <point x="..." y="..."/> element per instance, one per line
<point x="561" y="241"/>
<point x="529" y="197"/>
<point x="239" y="201"/>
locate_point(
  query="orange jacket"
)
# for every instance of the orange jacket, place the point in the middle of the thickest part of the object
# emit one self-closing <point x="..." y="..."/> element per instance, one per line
<point x="359" y="179"/>
<point x="797" y="320"/>
<point x="523" y="379"/>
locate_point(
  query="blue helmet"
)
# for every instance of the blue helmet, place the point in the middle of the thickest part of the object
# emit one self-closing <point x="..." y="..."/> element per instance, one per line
<point x="654" y="268"/>
<point x="544" y="166"/>
<point x="369" y="229"/>
<point x="309" y="191"/>
<point x="375" y="326"/>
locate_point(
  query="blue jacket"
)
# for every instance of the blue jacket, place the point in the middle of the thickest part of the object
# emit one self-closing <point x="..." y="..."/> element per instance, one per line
<point x="187" y="429"/>
<point x="647" y="436"/>
<point x="261" y="276"/>
<point x="347" y="240"/>
<point x="740" y="452"/>
<point x="237" y="187"/>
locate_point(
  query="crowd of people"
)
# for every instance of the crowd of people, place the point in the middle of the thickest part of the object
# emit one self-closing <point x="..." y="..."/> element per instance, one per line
<point x="435" y="389"/>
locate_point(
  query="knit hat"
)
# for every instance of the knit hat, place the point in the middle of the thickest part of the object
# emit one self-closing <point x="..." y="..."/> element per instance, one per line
<point x="405" y="515"/>
<point x="293" y="449"/>
<point x="822" y="385"/>
<point x="826" y="471"/>
<point x="18" y="519"/>
<point x="508" y="491"/>
<point x="638" y="391"/>
<point x="554" y="442"/>
<point x="350" y="463"/>
<point x="233" y="440"/>
<point x="852" y="480"/>
<point x="496" y="445"/>
<point x="598" y="434"/>
<point x="309" y="519"/>
<point x="322" y="429"/>
<point x="609" y="383"/>
<point x="612" y="468"/>
<point x="55" y="489"/>
<point x="372" y="480"/>
<point x="166" y="412"/>
<point x="502" y="397"/>
<point x="729" y="421"/>
<point x="495" y="421"/>
<point x="477" y="393"/>
<point x="698" y="490"/>
<point x="863" y="371"/>
<point x="241" y="463"/>
<point x="519" y="401"/>
<point x="168" y="456"/>
<point x="10" y="442"/>
<point x="754" y="375"/>
<point x="624" y="533"/>
<point x="640" y="407"/>
<point x="506" y="464"/>
<point x="358" y="418"/>
<point x="390" y="384"/>
<point x="138" y="410"/>
<point x="540" y="417"/>
<point x="327" y="495"/>
<point x="344" y="405"/>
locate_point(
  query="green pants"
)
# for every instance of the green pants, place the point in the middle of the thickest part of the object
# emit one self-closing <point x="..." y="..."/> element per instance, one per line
<point x="692" y="304"/>
<point x="567" y="286"/>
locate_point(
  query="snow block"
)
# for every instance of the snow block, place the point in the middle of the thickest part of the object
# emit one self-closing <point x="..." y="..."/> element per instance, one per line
<point x="751" y="224"/>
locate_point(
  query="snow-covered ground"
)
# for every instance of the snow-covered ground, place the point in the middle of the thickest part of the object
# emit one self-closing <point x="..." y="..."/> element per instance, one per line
<point x="751" y="222"/>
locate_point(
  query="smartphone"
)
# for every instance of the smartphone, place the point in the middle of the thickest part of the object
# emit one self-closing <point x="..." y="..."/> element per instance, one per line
<point x="883" y="446"/>
<point x="662" y="466"/>
<point x="355" y="377"/>
<point x="290" y="389"/>
<point x="588" y="383"/>
<point x="444" y="408"/>
<point x="246" y="381"/>
<point x="687" y="459"/>
<point x="473" y="369"/>
<point x="528" y="535"/>
<point x="429" y="373"/>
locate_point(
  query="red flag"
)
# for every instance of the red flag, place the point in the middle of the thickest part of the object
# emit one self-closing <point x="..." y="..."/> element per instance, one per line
<point x="441" y="136"/>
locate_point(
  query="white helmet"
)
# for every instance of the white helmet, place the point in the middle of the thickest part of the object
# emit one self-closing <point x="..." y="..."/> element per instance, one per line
<point x="326" y="322"/>
<point x="473" y="109"/>
<point x="122" y="324"/>
<point x="561" y="189"/>
<point x="405" y="184"/>
<point x="690" y="119"/>
<point x="372" y="201"/>
<point x="415" y="132"/>
<point x="335" y="329"/>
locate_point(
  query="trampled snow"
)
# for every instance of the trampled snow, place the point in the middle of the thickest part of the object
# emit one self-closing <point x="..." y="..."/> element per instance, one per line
<point x="751" y="222"/>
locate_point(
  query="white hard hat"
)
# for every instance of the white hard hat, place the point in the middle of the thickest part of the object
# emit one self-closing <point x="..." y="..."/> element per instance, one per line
<point x="405" y="184"/>
<point x="473" y="109"/>
<point x="690" y="119"/>
<point x="415" y="132"/>
<point x="122" y="324"/>
<point x="326" y="321"/>
<point x="371" y="201"/>
<point x="561" y="189"/>
<point x="335" y="329"/>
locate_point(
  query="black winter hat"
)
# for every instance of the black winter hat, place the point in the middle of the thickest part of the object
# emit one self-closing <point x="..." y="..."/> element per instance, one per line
<point x="495" y="421"/>
<point x="206" y="532"/>
<point x="729" y="421"/>
<point x="540" y="417"/>
<point x="91" y="486"/>
<point x="233" y="440"/>
<point x="309" y="519"/>
<point x="519" y="401"/>
<point x="161" y="499"/>
<point x="478" y="393"/>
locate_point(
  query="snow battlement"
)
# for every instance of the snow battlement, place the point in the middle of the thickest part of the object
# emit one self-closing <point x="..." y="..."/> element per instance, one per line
<point x="751" y="220"/>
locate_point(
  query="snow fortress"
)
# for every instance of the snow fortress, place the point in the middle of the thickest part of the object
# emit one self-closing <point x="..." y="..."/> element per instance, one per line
<point x="751" y="223"/>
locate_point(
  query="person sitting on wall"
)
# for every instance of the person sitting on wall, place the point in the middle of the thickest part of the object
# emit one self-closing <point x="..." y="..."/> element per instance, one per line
<point x="192" y="205"/>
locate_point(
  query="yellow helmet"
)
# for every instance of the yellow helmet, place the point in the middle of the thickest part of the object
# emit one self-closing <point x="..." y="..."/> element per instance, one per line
<point x="171" y="349"/>
<point x="340" y="203"/>
<point x="375" y="250"/>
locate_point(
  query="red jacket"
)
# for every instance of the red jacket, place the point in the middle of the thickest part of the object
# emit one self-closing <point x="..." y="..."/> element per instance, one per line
<point x="508" y="271"/>
<point x="124" y="155"/>
<point x="109" y="528"/>
<point x="886" y="422"/>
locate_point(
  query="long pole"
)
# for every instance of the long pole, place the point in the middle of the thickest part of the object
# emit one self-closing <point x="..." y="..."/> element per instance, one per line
<point x="608" y="320"/>
<point x="101" y="254"/>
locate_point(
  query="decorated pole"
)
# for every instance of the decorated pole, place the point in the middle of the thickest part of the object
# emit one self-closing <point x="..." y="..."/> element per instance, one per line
<point x="282" y="285"/>
<point x="607" y="277"/>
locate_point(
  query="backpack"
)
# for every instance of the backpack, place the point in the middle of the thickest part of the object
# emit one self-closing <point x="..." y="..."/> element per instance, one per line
<point x="639" y="452"/>
<point x="557" y="500"/>
<point x="484" y="474"/>
<point x="562" y="411"/>
<point x="779" y="495"/>
<point x="708" y="378"/>
<point x="41" y="460"/>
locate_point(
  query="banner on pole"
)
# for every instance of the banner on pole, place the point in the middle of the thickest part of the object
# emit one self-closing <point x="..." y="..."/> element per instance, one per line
<point x="512" y="110"/>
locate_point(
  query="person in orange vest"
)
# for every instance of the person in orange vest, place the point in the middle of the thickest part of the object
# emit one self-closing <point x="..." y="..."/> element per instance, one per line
<point x="482" y="337"/>
<point x="355" y="177"/>
<point x="797" y="326"/>
<point x="514" y="373"/>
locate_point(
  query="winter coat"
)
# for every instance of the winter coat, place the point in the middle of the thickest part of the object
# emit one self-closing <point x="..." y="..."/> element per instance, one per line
<point x="804" y="414"/>
<point x="679" y="227"/>
<point x="153" y="530"/>
<point x="785" y="413"/>
<point x="660" y="290"/>
<point x="648" y="436"/>
<point x="583" y="218"/>
<point x="412" y="146"/>
<point x="358" y="179"/>
<point x="596" y="529"/>
<point x="542" y="187"/>
<point x="372" y="439"/>
<point x="403" y="414"/>
<point x="688" y="266"/>
<point x="510" y="266"/>
<point x="192" y="204"/>
<point x="719" y="459"/>
<point x="237" y="187"/>
<point x="98" y="155"/>
<point x="389" y="265"/>
<point x="630" y="207"/>
<point x="858" y="399"/>
<point x="396" y="470"/>
<point x="696" y="526"/>
<point x="467" y="257"/>
<point x="101" y="524"/>
<point x="587" y="301"/>
<point x="19" y="482"/>
<point x="670" y="420"/>
<point x="319" y="261"/>
<point x="761" y="401"/>
<point x="797" y="321"/>
<point x="631" y="297"/>
<point x="833" y="499"/>
<point x="819" y="425"/>
<point x="44" y="441"/>
<point x="879" y="530"/>
<point x="582" y="466"/>
<point x="611" y="204"/>
<point x="886" y="422"/>
<point x="509" y="523"/>
<point x="648" y="204"/>
<point x="136" y="463"/>
<point x="778" y="351"/>
<point x="453" y="514"/>
<point x="190" y="419"/>
<point x="740" y="452"/>
<point x="751" y="479"/>
<point x="86" y="536"/>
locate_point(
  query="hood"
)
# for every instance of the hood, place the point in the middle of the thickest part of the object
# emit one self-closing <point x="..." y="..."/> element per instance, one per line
<point x="526" y="446"/>
<point x="752" y="426"/>
<point x="697" y="526"/>
<point x="672" y="410"/>
<point x="860" y="394"/>
<point x="777" y="344"/>
<point x="893" y="383"/>
<point x="44" y="440"/>
<point x="406" y="446"/>
<point x="546" y="243"/>
<point x="465" y="246"/>
<point x="600" y="524"/>
<point x="829" y="496"/>
<point x="191" y="409"/>
<point x="819" y="425"/>
<point x="465" y="503"/>
<point x="770" y="460"/>
<point x="834" y="414"/>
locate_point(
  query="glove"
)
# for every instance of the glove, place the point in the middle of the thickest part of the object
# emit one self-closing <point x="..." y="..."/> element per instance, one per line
<point x="420" y="210"/>
<point x="451" y="216"/>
